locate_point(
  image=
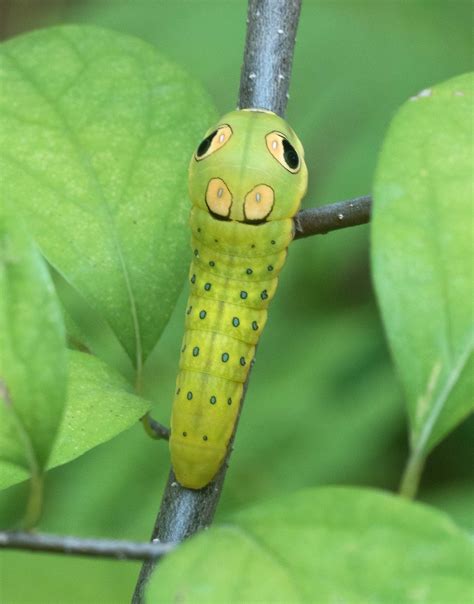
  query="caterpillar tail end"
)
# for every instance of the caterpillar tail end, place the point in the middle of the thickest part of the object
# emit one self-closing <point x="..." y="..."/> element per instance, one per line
<point x="194" y="467"/>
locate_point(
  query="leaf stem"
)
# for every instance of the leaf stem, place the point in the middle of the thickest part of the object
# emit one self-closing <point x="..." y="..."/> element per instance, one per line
<point x="34" y="506"/>
<point x="411" y="476"/>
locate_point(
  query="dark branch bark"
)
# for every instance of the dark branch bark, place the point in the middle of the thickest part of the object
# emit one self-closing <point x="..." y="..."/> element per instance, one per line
<point x="97" y="548"/>
<point x="264" y="84"/>
<point x="154" y="429"/>
<point x="318" y="221"/>
<point x="266" y="71"/>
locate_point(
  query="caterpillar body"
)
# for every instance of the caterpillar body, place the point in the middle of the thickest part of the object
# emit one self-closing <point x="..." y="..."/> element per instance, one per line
<point x="246" y="182"/>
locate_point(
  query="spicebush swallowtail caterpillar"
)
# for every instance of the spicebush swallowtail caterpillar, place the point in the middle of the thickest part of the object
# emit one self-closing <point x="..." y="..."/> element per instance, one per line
<point x="246" y="181"/>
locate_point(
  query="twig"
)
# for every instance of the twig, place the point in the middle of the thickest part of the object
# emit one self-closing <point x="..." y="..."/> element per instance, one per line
<point x="154" y="429"/>
<point x="75" y="546"/>
<point x="318" y="221"/>
<point x="265" y="80"/>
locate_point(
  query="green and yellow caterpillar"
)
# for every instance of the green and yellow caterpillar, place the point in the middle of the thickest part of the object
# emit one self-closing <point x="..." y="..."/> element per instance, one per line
<point x="246" y="182"/>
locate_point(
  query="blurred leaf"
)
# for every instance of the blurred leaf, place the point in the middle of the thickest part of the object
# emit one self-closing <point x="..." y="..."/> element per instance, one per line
<point x="97" y="131"/>
<point x="322" y="398"/>
<point x="99" y="406"/>
<point x="323" y="545"/>
<point x="422" y="256"/>
<point x="455" y="500"/>
<point x="88" y="331"/>
<point x="33" y="362"/>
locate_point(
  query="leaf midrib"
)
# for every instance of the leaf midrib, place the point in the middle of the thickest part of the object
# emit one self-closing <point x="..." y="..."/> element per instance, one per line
<point x="443" y="395"/>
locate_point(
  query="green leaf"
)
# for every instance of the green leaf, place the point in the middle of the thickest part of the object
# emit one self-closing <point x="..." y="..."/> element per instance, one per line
<point x="33" y="362"/>
<point x="323" y="545"/>
<point x="456" y="500"/>
<point x="422" y="256"/>
<point x="100" y="405"/>
<point x="96" y="135"/>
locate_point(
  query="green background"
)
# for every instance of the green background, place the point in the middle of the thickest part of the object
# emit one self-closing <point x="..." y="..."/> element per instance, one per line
<point x="324" y="405"/>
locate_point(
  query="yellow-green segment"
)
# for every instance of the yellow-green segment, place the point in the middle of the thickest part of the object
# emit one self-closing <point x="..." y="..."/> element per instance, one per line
<point x="246" y="182"/>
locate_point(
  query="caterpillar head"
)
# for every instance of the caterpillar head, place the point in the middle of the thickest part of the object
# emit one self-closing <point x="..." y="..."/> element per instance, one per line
<point x="249" y="168"/>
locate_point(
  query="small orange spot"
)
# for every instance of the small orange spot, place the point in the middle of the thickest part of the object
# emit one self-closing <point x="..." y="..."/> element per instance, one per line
<point x="259" y="202"/>
<point x="218" y="197"/>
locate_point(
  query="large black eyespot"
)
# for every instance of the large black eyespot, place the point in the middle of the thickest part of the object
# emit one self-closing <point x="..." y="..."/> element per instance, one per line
<point x="290" y="155"/>
<point x="213" y="142"/>
<point x="283" y="151"/>
<point x="205" y="144"/>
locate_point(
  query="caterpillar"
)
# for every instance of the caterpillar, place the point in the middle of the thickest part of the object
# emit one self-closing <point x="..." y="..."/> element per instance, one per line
<point x="246" y="181"/>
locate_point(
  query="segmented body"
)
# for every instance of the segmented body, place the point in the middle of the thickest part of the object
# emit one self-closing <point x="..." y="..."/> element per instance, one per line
<point x="232" y="279"/>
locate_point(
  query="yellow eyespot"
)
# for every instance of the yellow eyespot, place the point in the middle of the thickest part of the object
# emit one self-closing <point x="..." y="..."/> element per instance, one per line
<point x="259" y="203"/>
<point x="218" y="198"/>
<point x="213" y="142"/>
<point x="283" y="151"/>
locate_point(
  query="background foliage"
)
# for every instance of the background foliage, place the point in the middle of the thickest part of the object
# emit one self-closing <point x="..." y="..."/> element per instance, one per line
<point x="324" y="405"/>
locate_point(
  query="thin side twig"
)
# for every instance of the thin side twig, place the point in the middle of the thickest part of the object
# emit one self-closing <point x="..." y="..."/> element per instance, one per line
<point x="75" y="546"/>
<point x="154" y="429"/>
<point x="319" y="221"/>
<point x="265" y="80"/>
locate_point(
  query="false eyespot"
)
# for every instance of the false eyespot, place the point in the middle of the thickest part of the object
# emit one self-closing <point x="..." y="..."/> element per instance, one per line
<point x="283" y="151"/>
<point x="214" y="141"/>
<point x="258" y="203"/>
<point x="218" y="198"/>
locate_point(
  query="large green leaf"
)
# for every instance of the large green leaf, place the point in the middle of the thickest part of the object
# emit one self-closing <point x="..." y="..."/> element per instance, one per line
<point x="97" y="130"/>
<point x="323" y="545"/>
<point x="99" y="406"/>
<point x="422" y="256"/>
<point x="33" y="362"/>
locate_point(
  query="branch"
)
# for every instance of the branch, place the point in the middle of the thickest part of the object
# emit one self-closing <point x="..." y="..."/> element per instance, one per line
<point x="268" y="55"/>
<point x="154" y="429"/>
<point x="97" y="548"/>
<point x="264" y="84"/>
<point x="319" y="221"/>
